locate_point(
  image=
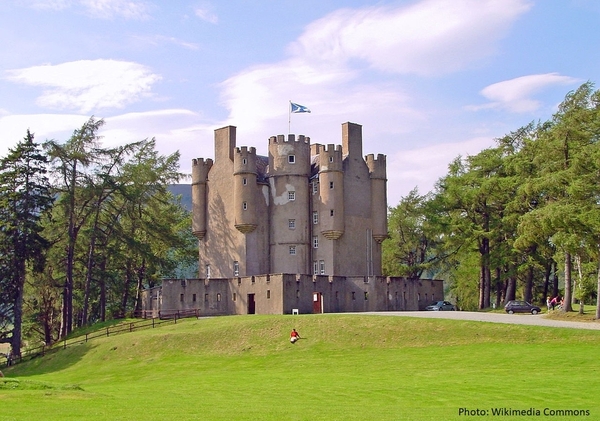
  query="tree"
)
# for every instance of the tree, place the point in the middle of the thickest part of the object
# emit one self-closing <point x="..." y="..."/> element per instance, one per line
<point x="411" y="248"/>
<point x="71" y="160"/>
<point x="25" y="198"/>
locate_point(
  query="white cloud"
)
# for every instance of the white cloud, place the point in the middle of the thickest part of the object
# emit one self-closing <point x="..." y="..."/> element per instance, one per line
<point x="428" y="37"/>
<point x="88" y="85"/>
<point x="423" y="167"/>
<point x="43" y="126"/>
<point x="205" y="12"/>
<point x="157" y="40"/>
<point x="322" y="70"/>
<point x="516" y="95"/>
<point x="102" y="9"/>
<point x="50" y="4"/>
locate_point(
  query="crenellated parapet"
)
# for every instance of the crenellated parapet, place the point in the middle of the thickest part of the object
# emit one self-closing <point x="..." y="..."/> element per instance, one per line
<point x="244" y="160"/>
<point x="377" y="166"/>
<point x="200" y="169"/>
<point x="289" y="156"/>
<point x="330" y="158"/>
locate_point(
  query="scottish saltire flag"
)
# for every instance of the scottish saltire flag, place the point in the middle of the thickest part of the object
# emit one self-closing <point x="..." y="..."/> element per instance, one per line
<point x="297" y="108"/>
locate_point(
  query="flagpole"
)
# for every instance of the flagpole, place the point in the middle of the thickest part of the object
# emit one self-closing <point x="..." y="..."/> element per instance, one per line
<point x="289" y="117"/>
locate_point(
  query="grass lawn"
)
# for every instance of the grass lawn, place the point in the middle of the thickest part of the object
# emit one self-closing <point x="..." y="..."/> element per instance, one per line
<point x="346" y="367"/>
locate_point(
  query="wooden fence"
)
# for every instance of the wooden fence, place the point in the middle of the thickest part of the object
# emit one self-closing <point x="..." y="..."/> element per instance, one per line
<point x="146" y="323"/>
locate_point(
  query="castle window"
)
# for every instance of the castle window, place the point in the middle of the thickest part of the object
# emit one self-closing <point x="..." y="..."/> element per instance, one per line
<point x="244" y="161"/>
<point x="315" y="242"/>
<point x="353" y="295"/>
<point x="331" y="159"/>
<point x="181" y="297"/>
<point x="315" y="187"/>
<point x="291" y="195"/>
<point x="268" y="294"/>
<point x="206" y="298"/>
<point x="245" y="205"/>
<point x="207" y="271"/>
<point x="291" y="224"/>
<point x="315" y="267"/>
<point x="322" y="267"/>
<point x="244" y="181"/>
<point x="218" y="297"/>
<point x="293" y="250"/>
<point x="366" y="295"/>
<point x="330" y="212"/>
<point x="234" y="296"/>
<point x="331" y="184"/>
<point x="194" y="297"/>
<point x="236" y="268"/>
<point x="291" y="159"/>
<point x="315" y="217"/>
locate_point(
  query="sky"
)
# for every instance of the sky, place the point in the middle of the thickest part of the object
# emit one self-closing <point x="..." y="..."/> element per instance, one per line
<point x="428" y="80"/>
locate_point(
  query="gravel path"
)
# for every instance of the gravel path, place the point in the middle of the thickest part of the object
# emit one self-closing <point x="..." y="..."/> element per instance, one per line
<point x="524" y="319"/>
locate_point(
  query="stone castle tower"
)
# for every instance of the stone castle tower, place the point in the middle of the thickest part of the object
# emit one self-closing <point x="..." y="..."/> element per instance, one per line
<point x="304" y="209"/>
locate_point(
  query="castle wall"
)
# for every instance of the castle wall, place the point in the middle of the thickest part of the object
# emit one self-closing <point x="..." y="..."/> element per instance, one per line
<point x="284" y="293"/>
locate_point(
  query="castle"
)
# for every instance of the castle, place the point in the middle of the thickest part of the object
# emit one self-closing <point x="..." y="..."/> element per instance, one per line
<point x="299" y="230"/>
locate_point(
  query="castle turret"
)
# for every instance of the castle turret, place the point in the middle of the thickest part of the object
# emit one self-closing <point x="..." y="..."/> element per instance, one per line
<point x="244" y="189"/>
<point x="377" y="174"/>
<point x="200" y="169"/>
<point x="331" y="180"/>
<point x="289" y="171"/>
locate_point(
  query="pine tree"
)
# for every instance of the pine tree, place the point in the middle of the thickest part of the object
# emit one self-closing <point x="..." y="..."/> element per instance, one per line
<point x="25" y="197"/>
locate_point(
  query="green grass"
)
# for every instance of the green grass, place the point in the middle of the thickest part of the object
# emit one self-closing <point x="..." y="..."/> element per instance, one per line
<point x="346" y="367"/>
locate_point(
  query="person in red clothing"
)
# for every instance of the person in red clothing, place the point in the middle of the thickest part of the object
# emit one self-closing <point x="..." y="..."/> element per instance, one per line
<point x="294" y="336"/>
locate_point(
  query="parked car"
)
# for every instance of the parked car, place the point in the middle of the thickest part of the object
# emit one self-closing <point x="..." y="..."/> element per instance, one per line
<point x="516" y="306"/>
<point x="440" y="306"/>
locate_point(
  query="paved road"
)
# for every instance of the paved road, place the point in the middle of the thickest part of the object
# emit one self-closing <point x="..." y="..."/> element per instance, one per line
<point x="524" y="319"/>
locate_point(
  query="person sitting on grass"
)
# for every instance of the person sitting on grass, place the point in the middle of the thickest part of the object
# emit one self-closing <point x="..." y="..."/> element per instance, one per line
<point x="294" y="336"/>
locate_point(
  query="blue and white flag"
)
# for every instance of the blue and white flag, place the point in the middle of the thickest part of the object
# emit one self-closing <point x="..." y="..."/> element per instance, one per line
<point x="297" y="108"/>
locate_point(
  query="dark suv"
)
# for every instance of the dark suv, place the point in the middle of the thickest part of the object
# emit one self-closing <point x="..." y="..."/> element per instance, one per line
<point x="516" y="306"/>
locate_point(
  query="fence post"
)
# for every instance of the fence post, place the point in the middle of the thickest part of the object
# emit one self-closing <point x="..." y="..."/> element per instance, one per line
<point x="86" y="337"/>
<point x="153" y="323"/>
<point x="65" y="344"/>
<point x="107" y="331"/>
<point x="131" y="327"/>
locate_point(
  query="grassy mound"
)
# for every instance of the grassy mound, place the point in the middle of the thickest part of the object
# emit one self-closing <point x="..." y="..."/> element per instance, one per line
<point x="350" y="367"/>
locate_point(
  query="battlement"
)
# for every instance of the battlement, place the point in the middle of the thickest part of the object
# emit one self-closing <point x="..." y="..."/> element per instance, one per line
<point x="377" y="166"/>
<point x="244" y="160"/>
<point x="291" y="139"/>
<point x="200" y="169"/>
<point x="330" y="157"/>
<point x="245" y="151"/>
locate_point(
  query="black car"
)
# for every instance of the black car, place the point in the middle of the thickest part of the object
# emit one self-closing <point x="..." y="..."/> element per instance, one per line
<point x="440" y="306"/>
<point x="516" y="306"/>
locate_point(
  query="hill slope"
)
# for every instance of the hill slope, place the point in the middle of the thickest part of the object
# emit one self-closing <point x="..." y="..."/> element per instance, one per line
<point x="345" y="367"/>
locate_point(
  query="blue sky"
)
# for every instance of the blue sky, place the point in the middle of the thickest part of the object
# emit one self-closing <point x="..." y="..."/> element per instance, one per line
<point x="428" y="79"/>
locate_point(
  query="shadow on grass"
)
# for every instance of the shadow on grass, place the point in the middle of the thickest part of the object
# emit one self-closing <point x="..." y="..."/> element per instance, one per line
<point x="54" y="360"/>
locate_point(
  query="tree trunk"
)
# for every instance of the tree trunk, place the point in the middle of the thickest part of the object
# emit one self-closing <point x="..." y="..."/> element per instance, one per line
<point x="511" y="289"/>
<point x="528" y="295"/>
<point x="598" y="287"/>
<point x="568" y="285"/>
<point x="15" y="343"/>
